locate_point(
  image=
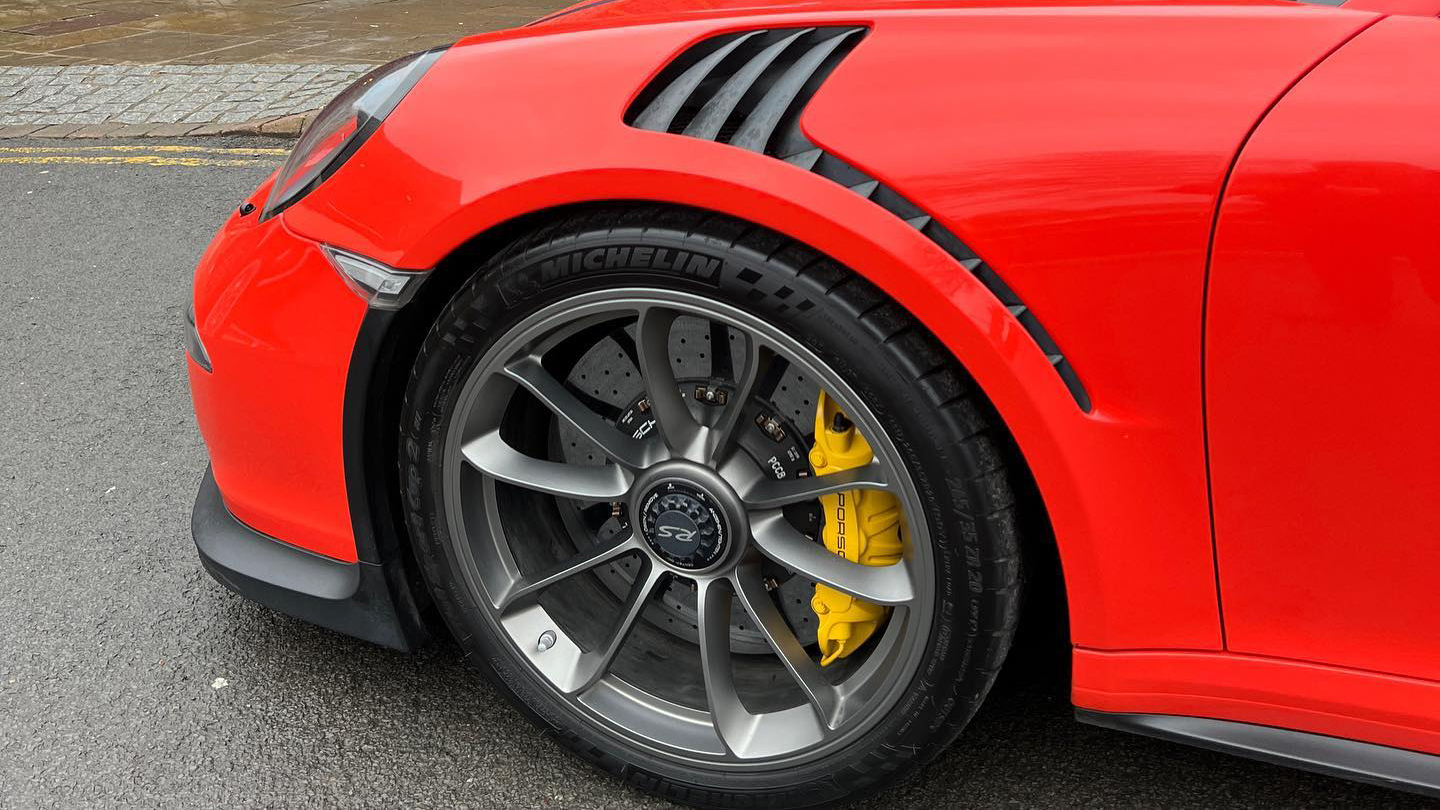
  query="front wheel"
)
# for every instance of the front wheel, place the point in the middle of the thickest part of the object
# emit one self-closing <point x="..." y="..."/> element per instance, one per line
<point x="710" y="509"/>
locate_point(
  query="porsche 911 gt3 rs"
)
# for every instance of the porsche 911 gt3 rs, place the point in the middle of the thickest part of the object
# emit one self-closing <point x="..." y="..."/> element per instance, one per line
<point x="721" y="374"/>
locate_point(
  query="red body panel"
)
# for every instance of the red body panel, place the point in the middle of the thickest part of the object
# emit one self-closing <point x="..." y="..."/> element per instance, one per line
<point x="279" y="325"/>
<point x="1083" y="159"/>
<point x="1324" y="317"/>
<point x="1383" y="709"/>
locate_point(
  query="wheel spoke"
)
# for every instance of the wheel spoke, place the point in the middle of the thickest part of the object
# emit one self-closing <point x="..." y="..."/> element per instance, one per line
<point x="770" y="494"/>
<point x="684" y="435"/>
<point x="491" y="455"/>
<point x="823" y="697"/>
<point x="594" y="664"/>
<point x="624" y="449"/>
<point x="757" y="358"/>
<point x="526" y="589"/>
<point x="783" y="543"/>
<point x="733" y="723"/>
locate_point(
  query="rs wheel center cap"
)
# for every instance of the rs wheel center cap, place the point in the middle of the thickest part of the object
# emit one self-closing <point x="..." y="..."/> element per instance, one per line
<point x="683" y="525"/>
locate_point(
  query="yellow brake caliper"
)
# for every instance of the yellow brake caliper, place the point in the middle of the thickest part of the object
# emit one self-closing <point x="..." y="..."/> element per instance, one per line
<point x="863" y="526"/>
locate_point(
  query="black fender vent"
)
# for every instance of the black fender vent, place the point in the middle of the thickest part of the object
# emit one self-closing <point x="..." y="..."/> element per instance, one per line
<point x="748" y="90"/>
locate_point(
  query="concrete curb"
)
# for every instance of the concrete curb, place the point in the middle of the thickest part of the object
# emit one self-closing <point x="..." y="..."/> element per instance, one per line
<point x="285" y="126"/>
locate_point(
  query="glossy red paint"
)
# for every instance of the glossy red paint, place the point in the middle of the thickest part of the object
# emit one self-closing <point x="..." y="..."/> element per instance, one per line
<point x="1076" y="166"/>
<point x="279" y="324"/>
<point x="1384" y="709"/>
<point x="1324" y="311"/>
<point x="1081" y="148"/>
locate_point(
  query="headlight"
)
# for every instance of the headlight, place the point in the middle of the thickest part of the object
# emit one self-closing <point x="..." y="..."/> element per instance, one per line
<point x="344" y="125"/>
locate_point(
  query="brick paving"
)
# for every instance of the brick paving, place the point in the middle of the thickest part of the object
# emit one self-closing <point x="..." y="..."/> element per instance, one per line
<point x="176" y="95"/>
<point x="94" y="68"/>
<point x="78" y="32"/>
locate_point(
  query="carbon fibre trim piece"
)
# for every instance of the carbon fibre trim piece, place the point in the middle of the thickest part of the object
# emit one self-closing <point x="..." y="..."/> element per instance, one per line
<point x="661" y="111"/>
<point x="765" y="118"/>
<point x="744" y="89"/>
<point x="748" y="89"/>
<point x="722" y="104"/>
<point x="1349" y="759"/>
<point x="356" y="599"/>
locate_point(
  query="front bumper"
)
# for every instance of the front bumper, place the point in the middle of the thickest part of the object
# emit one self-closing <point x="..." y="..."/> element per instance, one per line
<point x="353" y="598"/>
<point x="279" y="327"/>
<point x="284" y="345"/>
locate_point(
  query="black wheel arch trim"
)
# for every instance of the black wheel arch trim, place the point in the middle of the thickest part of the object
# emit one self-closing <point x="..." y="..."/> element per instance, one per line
<point x="372" y="488"/>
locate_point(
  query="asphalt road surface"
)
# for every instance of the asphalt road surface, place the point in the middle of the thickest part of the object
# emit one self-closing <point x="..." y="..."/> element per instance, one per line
<point x="129" y="677"/>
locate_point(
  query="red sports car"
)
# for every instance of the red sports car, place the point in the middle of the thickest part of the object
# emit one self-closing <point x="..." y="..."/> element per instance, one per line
<point x="720" y="373"/>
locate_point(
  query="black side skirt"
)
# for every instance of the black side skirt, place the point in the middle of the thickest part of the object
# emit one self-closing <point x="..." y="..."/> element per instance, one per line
<point x="353" y="598"/>
<point x="1349" y="759"/>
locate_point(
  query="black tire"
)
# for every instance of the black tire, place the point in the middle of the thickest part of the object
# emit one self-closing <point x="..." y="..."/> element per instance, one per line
<point x="936" y="417"/>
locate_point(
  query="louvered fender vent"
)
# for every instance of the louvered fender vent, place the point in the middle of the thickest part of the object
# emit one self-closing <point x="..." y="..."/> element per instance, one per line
<point x="749" y="89"/>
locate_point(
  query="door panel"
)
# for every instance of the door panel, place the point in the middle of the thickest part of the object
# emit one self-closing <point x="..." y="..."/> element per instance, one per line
<point x="1323" y="365"/>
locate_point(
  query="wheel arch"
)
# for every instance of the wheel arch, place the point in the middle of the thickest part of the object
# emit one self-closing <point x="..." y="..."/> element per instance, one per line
<point x="390" y="341"/>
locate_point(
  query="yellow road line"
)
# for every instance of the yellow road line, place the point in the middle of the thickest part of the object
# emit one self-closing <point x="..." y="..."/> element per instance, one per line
<point x="135" y="160"/>
<point x="214" y="150"/>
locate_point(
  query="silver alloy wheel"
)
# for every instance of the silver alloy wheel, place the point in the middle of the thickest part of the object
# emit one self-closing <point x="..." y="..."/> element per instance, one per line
<point x="691" y="459"/>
